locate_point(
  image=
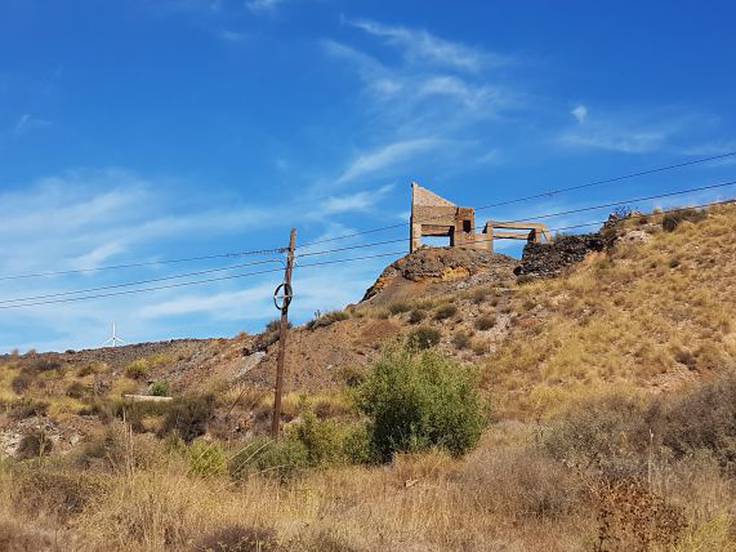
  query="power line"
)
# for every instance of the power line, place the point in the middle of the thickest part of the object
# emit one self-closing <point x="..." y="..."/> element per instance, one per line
<point x="141" y="264"/>
<point x="624" y="202"/>
<point x="134" y="291"/>
<point x="136" y="283"/>
<point x="549" y="193"/>
<point x="548" y="215"/>
<point x="186" y="284"/>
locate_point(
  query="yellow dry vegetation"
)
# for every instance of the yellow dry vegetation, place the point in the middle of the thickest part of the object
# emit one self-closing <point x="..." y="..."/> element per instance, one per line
<point x="648" y="315"/>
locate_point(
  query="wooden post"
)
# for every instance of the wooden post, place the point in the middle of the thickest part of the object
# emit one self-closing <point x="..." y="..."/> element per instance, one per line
<point x="283" y="333"/>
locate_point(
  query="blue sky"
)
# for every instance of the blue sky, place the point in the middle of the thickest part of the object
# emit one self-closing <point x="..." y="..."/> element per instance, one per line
<point x="148" y="130"/>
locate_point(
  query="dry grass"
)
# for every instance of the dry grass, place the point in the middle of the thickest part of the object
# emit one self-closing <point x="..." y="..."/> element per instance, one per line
<point x="651" y="316"/>
<point x="627" y="318"/>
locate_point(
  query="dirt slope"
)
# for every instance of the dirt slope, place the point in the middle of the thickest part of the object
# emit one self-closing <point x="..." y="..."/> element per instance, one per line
<point x="652" y="311"/>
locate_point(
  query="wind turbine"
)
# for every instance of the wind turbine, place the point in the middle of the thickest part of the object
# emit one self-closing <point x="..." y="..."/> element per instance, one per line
<point x="114" y="340"/>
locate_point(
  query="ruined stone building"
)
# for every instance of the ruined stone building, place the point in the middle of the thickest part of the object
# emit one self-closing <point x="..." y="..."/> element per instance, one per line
<point x="434" y="216"/>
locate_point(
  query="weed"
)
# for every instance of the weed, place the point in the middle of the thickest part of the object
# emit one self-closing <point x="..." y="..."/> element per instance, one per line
<point x="207" y="459"/>
<point x="34" y="445"/>
<point x="672" y="220"/>
<point x="416" y="316"/>
<point x="399" y="308"/>
<point x="77" y="390"/>
<point x="282" y="459"/>
<point x="423" y="338"/>
<point x="327" y="319"/>
<point x="461" y="339"/>
<point x="189" y="416"/>
<point x="237" y="538"/>
<point x="159" y="389"/>
<point x="444" y="312"/>
<point x="485" y="322"/>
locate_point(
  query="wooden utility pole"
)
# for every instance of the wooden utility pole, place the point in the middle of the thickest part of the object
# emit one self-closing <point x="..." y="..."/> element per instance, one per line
<point x="282" y="303"/>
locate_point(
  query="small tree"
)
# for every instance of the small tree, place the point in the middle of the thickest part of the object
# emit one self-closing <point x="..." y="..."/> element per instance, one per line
<point x="419" y="400"/>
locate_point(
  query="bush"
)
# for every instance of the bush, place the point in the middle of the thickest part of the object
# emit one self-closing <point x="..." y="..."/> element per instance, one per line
<point x="423" y="338"/>
<point x="461" y="340"/>
<point x="159" y="389"/>
<point x="189" y="416"/>
<point x="526" y="483"/>
<point x="485" y="322"/>
<point x="282" y="459"/>
<point x="605" y="434"/>
<point x="417" y="401"/>
<point x="398" y="308"/>
<point x="55" y="492"/>
<point x="21" y="383"/>
<point x="20" y="537"/>
<point x="416" y="316"/>
<point x="327" y="319"/>
<point x="352" y="375"/>
<point x="137" y="369"/>
<point x="207" y="459"/>
<point x="26" y="408"/>
<point x="479" y="295"/>
<point x="323" y="440"/>
<point x="34" y="445"/>
<point x="76" y="390"/>
<point x="672" y="220"/>
<point x="704" y="419"/>
<point x="358" y="446"/>
<point x="444" y="312"/>
<point x="238" y="538"/>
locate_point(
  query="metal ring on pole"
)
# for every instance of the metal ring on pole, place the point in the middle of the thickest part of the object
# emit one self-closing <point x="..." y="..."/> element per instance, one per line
<point x="285" y="298"/>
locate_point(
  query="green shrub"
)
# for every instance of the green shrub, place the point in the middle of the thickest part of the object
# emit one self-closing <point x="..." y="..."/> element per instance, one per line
<point x="323" y="440"/>
<point x="352" y="375"/>
<point x="423" y="338"/>
<point x="358" y="445"/>
<point x="419" y="400"/>
<point x="416" y="316"/>
<point x="485" y="322"/>
<point x="132" y="412"/>
<point x="189" y="416"/>
<point x="137" y="369"/>
<point x="282" y="459"/>
<point x="445" y="311"/>
<point x="207" y="459"/>
<point x="398" y="308"/>
<point x="159" y="389"/>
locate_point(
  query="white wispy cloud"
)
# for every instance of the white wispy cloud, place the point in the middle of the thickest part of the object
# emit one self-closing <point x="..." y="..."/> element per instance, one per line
<point x="27" y="123"/>
<point x="580" y="112"/>
<point x="232" y="36"/>
<point x="263" y="6"/>
<point x="359" y="201"/>
<point x="387" y="156"/>
<point x="420" y="45"/>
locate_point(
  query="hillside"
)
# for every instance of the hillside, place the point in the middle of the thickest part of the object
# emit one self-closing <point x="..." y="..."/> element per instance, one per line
<point x="624" y="322"/>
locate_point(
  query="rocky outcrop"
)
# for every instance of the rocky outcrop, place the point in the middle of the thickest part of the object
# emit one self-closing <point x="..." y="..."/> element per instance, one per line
<point x="546" y="260"/>
<point x="442" y="264"/>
